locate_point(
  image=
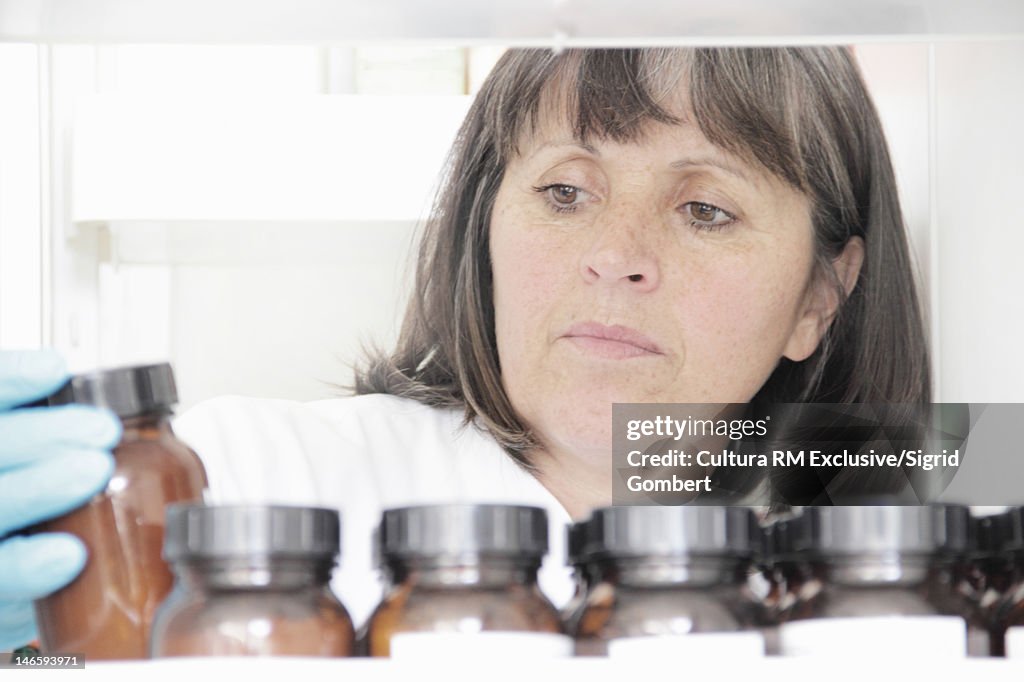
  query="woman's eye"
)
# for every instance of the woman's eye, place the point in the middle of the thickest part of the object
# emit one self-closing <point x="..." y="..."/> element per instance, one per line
<point x="562" y="198"/>
<point x="707" y="216"/>
<point x="564" y="194"/>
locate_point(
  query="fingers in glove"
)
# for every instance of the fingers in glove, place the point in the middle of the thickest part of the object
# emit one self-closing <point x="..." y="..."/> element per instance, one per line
<point x="51" y="487"/>
<point x="29" y="375"/>
<point x="31" y="434"/>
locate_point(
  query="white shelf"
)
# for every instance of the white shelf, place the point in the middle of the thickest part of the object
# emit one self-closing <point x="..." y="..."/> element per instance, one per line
<point x="309" y="158"/>
<point x="857" y="667"/>
<point x="592" y="22"/>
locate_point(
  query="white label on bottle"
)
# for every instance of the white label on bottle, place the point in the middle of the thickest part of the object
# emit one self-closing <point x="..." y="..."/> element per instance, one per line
<point x="727" y="645"/>
<point x="479" y="645"/>
<point x="1015" y="642"/>
<point x="876" y="637"/>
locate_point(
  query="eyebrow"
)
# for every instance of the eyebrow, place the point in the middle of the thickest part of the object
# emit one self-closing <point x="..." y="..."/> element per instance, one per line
<point x="712" y="162"/>
<point x="680" y="164"/>
<point x="567" y="143"/>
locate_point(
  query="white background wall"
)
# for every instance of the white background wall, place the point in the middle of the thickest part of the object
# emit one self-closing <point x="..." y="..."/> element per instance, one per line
<point x="278" y="308"/>
<point x="979" y="217"/>
<point x="21" y="223"/>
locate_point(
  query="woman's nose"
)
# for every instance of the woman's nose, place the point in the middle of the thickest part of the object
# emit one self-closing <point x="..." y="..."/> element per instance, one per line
<point x="622" y="253"/>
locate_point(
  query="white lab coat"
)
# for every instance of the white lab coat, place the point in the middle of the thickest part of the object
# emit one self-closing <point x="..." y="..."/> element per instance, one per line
<point x="362" y="455"/>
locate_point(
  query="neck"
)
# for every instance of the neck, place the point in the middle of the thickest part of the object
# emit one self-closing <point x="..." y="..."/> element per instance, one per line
<point x="577" y="483"/>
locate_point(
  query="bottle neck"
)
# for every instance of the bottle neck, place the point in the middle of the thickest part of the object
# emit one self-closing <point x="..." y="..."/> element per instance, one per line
<point x="484" y="573"/>
<point x="692" y="571"/>
<point x="150" y="426"/>
<point x="876" y="570"/>
<point x="254" y="573"/>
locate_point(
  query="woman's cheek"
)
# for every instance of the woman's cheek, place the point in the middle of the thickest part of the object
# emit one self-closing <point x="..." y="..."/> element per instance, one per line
<point x="738" y="321"/>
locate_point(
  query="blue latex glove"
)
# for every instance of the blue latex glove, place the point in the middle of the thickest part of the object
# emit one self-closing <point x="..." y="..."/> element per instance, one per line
<point x="51" y="461"/>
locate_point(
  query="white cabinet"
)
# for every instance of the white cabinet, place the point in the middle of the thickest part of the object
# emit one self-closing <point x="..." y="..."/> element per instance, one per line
<point x="345" y="158"/>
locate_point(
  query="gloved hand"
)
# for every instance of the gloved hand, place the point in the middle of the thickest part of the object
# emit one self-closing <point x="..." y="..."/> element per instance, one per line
<point x="51" y="461"/>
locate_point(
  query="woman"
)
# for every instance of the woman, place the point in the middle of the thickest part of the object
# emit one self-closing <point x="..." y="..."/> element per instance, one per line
<point x="711" y="225"/>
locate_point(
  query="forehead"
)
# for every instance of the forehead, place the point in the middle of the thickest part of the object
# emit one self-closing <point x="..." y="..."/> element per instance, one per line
<point x="659" y="126"/>
<point x="675" y="146"/>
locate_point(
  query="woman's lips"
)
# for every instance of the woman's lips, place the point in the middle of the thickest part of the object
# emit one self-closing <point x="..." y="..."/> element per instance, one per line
<point x="615" y="341"/>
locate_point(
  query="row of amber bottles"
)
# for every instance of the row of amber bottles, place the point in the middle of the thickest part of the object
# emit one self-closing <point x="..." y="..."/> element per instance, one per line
<point x="677" y="582"/>
<point x="254" y="580"/>
<point x="889" y="581"/>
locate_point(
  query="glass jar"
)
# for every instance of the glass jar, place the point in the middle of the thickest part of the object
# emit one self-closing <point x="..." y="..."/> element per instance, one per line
<point x="461" y="580"/>
<point x="106" y="612"/>
<point x="884" y="574"/>
<point x="252" y="581"/>
<point x="670" y="581"/>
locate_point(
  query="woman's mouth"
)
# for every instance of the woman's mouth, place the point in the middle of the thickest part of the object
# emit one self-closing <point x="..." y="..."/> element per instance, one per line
<point x="614" y="342"/>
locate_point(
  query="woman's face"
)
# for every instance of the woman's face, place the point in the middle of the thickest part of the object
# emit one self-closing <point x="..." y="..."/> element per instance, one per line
<point x="660" y="271"/>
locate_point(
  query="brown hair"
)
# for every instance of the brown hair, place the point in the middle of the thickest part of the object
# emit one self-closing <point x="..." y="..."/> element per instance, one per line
<point x="802" y="113"/>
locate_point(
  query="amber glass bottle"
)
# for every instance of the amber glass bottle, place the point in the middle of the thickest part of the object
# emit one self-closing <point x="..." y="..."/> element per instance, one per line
<point x="670" y="581"/>
<point x="462" y="581"/>
<point x="252" y="581"/>
<point x="885" y="575"/>
<point x="106" y="612"/>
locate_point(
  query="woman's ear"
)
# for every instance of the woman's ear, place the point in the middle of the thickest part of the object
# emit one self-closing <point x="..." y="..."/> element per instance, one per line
<point x="823" y="300"/>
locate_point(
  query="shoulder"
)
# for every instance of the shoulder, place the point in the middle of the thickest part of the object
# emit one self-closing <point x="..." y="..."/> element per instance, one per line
<point x="376" y="417"/>
<point x="380" y="407"/>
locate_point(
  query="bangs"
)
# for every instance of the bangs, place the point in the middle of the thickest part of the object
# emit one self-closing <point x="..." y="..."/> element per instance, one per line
<point x="743" y="100"/>
<point x="599" y="94"/>
<point x="749" y="103"/>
